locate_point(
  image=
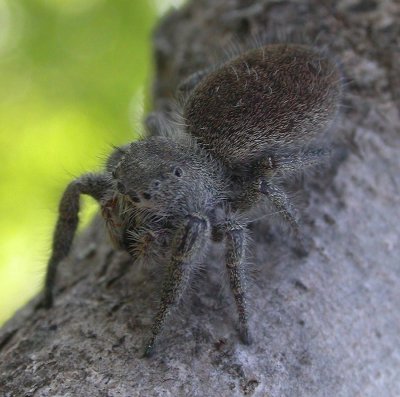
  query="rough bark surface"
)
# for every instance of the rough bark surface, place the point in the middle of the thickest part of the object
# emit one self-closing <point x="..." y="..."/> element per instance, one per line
<point x="327" y="324"/>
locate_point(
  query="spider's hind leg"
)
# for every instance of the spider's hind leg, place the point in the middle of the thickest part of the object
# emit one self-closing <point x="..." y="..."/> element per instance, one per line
<point x="280" y="202"/>
<point x="156" y="123"/>
<point x="190" y="82"/>
<point x="287" y="164"/>
<point x="295" y="162"/>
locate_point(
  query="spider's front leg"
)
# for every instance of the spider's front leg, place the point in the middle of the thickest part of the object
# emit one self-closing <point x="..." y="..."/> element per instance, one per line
<point x="235" y="260"/>
<point x="188" y="245"/>
<point x="95" y="185"/>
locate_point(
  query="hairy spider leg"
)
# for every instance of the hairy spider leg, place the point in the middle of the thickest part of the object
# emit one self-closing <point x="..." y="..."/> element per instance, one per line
<point x="189" y="243"/>
<point x="285" y="165"/>
<point x="234" y="261"/>
<point x="297" y="161"/>
<point x="94" y="185"/>
<point x="280" y="201"/>
<point x="190" y="82"/>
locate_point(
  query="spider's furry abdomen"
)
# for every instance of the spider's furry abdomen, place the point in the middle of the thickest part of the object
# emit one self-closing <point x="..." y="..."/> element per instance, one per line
<point x="265" y="100"/>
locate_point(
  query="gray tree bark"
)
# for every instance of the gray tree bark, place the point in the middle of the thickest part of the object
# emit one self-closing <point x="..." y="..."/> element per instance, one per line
<point x="327" y="324"/>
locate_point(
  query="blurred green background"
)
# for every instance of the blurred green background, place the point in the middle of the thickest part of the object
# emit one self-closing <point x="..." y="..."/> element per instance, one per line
<point x="74" y="75"/>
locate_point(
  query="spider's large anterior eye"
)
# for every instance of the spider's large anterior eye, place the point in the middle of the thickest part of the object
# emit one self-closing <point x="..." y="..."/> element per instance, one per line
<point x="178" y="172"/>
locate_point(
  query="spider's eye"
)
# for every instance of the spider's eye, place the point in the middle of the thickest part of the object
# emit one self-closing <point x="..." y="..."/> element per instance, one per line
<point x="156" y="184"/>
<point x="178" y="172"/>
<point x="134" y="197"/>
<point x="121" y="188"/>
<point x="147" y="196"/>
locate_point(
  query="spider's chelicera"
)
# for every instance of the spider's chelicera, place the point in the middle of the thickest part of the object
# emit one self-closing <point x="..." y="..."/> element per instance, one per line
<point x="249" y="123"/>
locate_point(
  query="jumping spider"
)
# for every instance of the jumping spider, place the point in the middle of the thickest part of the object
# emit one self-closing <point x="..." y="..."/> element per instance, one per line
<point x="249" y="123"/>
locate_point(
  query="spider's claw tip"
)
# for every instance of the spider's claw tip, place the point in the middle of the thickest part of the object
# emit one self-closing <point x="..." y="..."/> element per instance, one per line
<point x="246" y="337"/>
<point x="149" y="350"/>
<point x="46" y="302"/>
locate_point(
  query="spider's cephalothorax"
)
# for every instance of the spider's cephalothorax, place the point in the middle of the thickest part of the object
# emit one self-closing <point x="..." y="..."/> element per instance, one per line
<point x="156" y="183"/>
<point x="249" y="122"/>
